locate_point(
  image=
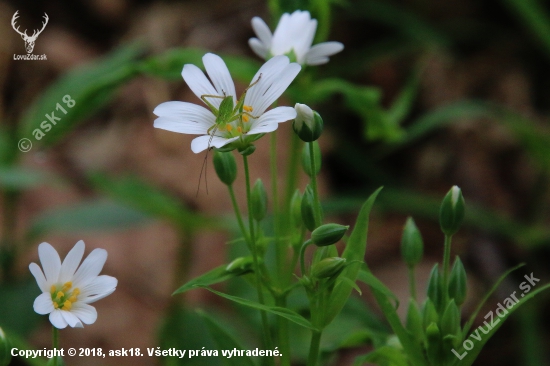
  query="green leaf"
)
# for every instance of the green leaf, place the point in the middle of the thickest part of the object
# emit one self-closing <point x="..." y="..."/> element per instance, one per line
<point x="384" y="356"/>
<point x="355" y="251"/>
<point x="225" y="341"/>
<point x="471" y="355"/>
<point x="86" y="216"/>
<point x="216" y="275"/>
<point x="283" y="312"/>
<point x="21" y="178"/>
<point x="136" y="193"/>
<point x="90" y="87"/>
<point x="170" y="64"/>
<point x="473" y="317"/>
<point x="21" y="320"/>
<point x="368" y="278"/>
<point x="19" y="342"/>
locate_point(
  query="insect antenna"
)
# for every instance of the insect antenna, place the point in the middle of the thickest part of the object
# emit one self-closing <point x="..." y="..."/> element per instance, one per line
<point x="204" y="167"/>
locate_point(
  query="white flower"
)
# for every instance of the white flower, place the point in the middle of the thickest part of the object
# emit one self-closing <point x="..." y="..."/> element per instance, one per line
<point x="266" y="86"/>
<point x="66" y="291"/>
<point x="294" y="33"/>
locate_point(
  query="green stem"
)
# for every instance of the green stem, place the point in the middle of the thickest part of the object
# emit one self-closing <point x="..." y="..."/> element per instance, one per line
<point x="8" y="248"/>
<point x="317" y="207"/>
<point x="265" y="325"/>
<point x="55" y="342"/>
<point x="240" y="221"/>
<point x="314" y="348"/>
<point x="412" y="283"/>
<point x="292" y="173"/>
<point x="280" y="248"/>
<point x="282" y="325"/>
<point x="446" y="261"/>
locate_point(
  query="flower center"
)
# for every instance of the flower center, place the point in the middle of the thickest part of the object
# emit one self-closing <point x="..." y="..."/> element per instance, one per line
<point x="64" y="296"/>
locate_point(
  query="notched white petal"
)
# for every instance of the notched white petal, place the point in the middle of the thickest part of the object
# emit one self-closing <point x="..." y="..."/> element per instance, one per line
<point x="220" y="76"/>
<point x="43" y="304"/>
<point x="51" y="263"/>
<point x="86" y="313"/>
<point x="262" y="31"/>
<point x="198" y="83"/>
<point x="71" y="262"/>
<point x="57" y="319"/>
<point x="201" y="143"/>
<point x="258" y="47"/>
<point x="71" y="319"/>
<point x="90" y="268"/>
<point x="39" y="276"/>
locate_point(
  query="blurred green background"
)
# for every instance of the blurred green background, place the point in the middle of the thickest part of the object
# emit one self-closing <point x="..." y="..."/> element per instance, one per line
<point x="425" y="95"/>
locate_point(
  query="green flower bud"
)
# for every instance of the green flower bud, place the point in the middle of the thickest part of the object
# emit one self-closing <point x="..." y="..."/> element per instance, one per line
<point x="435" y="288"/>
<point x="429" y="313"/>
<point x="414" y="321"/>
<point x="433" y="340"/>
<point x="5" y="349"/>
<point x="296" y="210"/>
<point x="451" y="212"/>
<point x="328" y="267"/>
<point x="225" y="166"/>
<point x="328" y="234"/>
<point x="411" y="244"/>
<point x="258" y="198"/>
<point x="308" y="124"/>
<point x="247" y="150"/>
<point x="457" y="282"/>
<point x="306" y="158"/>
<point x="241" y="264"/>
<point x="450" y="321"/>
<point x="308" y="211"/>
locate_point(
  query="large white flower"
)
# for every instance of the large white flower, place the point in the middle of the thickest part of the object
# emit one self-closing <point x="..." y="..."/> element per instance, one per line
<point x="294" y="33"/>
<point x="266" y="86"/>
<point x="66" y="291"/>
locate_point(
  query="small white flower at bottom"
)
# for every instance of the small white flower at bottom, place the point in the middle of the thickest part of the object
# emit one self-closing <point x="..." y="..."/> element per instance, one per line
<point x="66" y="291"/>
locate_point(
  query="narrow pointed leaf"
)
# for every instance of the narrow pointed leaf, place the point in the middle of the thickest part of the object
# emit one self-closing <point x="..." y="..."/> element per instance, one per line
<point x="216" y="275"/>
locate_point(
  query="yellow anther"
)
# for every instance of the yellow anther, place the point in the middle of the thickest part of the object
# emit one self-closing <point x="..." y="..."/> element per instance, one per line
<point x="245" y="118"/>
<point x="240" y="129"/>
<point x="248" y="108"/>
<point x="68" y="285"/>
<point x="53" y="289"/>
<point x="229" y="128"/>
<point x="59" y="295"/>
<point x="76" y="291"/>
<point x="55" y="305"/>
<point x="72" y="298"/>
<point x="67" y="305"/>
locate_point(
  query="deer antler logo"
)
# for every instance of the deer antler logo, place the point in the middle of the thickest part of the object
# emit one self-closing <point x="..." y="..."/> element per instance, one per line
<point x="29" y="40"/>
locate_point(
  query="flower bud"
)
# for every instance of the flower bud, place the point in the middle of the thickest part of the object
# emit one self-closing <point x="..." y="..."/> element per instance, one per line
<point x="225" y="166"/>
<point x="411" y="244"/>
<point x="308" y="211"/>
<point x="435" y="288"/>
<point x="5" y="349"/>
<point x="306" y="158"/>
<point x="241" y="264"/>
<point x="328" y="234"/>
<point x="429" y="313"/>
<point x="296" y="210"/>
<point x="414" y="321"/>
<point x="450" y="320"/>
<point x="258" y="198"/>
<point x="451" y="212"/>
<point x="457" y="282"/>
<point x="328" y="267"/>
<point x="308" y="124"/>
<point x="433" y="340"/>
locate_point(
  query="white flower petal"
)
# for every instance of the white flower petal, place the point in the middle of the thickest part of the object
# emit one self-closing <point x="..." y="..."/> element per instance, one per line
<point x="199" y="84"/>
<point x="270" y="71"/>
<point x="277" y="88"/>
<point x="183" y="117"/>
<point x="318" y="61"/>
<point x="100" y="287"/>
<point x="57" y="319"/>
<point x="43" y="304"/>
<point x="71" y="319"/>
<point x="86" y="313"/>
<point x="306" y="28"/>
<point x="71" y="262"/>
<point x="90" y="268"/>
<point x="322" y="50"/>
<point x="282" y="37"/>
<point x="258" y="47"/>
<point x="262" y="31"/>
<point x="201" y="143"/>
<point x="220" y="76"/>
<point x="272" y="117"/>
<point x="39" y="276"/>
<point x="51" y="263"/>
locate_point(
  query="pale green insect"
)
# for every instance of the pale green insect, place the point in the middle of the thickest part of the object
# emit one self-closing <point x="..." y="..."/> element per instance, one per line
<point x="225" y="115"/>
